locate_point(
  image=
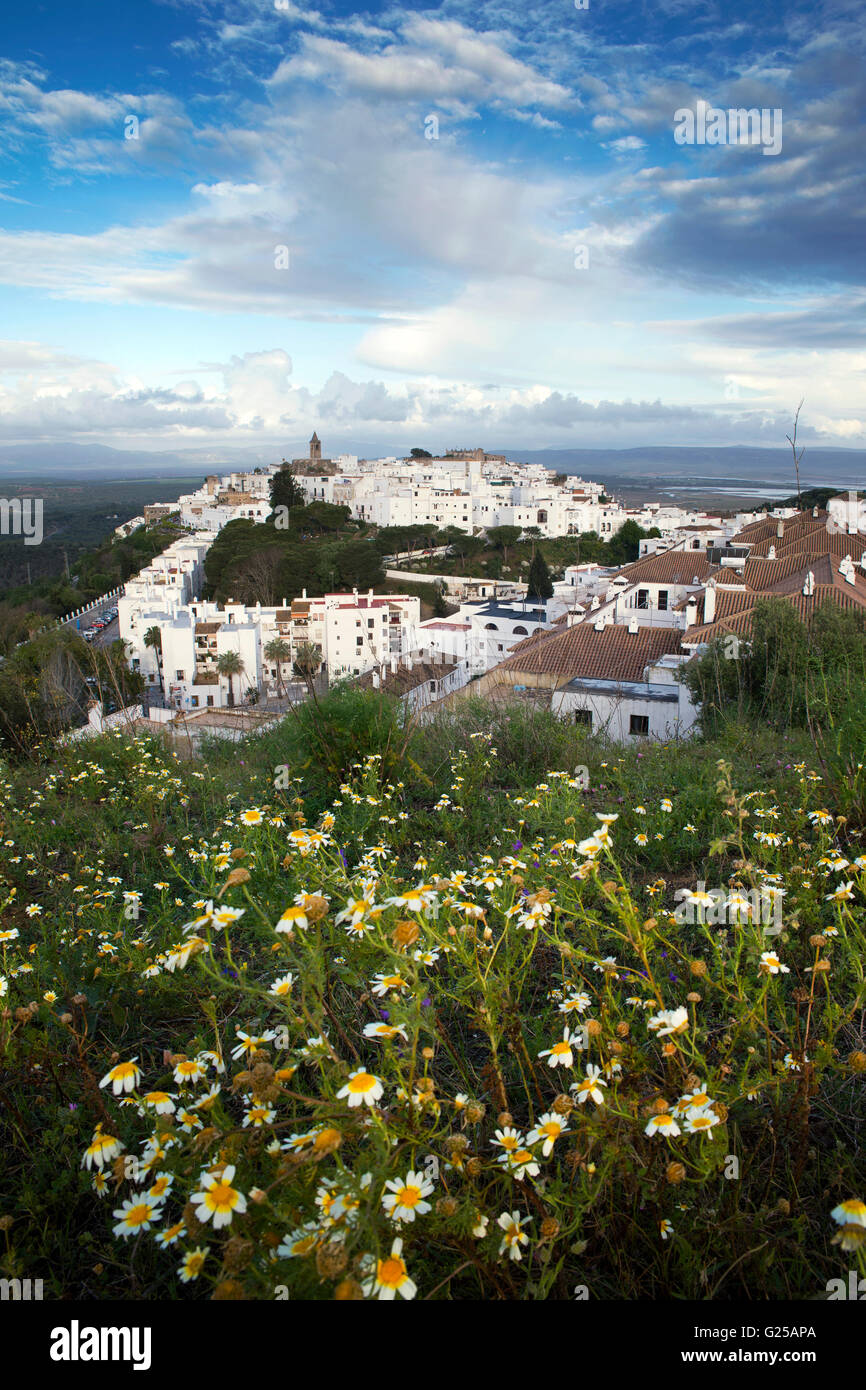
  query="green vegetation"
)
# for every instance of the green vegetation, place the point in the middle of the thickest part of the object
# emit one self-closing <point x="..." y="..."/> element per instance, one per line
<point x="502" y="554"/>
<point x="77" y="517"/>
<point x="224" y="989"/>
<point x="319" y="551"/>
<point x="26" y="608"/>
<point x="539" y="584"/>
<point x="47" y="684"/>
<point x="809" y="498"/>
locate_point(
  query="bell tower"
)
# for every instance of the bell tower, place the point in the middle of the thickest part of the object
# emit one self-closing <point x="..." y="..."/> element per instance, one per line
<point x="315" y="448"/>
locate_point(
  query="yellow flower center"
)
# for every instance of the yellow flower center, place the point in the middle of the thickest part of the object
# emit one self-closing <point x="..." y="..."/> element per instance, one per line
<point x="222" y="1197"/>
<point x="409" y="1196"/>
<point x="138" y="1215"/>
<point x="362" y="1082"/>
<point x="392" y="1272"/>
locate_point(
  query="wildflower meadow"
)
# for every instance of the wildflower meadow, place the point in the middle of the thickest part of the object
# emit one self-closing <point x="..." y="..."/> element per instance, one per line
<point x="434" y="1025"/>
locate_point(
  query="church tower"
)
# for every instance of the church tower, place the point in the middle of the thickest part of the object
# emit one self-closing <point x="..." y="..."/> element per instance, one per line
<point x="315" y="449"/>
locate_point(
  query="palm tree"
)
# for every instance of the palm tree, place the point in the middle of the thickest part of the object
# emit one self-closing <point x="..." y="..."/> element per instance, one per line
<point x="230" y="664"/>
<point x="278" y="651"/>
<point x="308" y="660"/>
<point x="153" y="638"/>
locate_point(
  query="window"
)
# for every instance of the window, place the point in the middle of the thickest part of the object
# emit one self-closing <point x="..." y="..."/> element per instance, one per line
<point x="178" y="675"/>
<point x="638" y="724"/>
<point x="643" y="598"/>
<point x="663" y="600"/>
<point x="193" y="699"/>
<point x="583" y="716"/>
<point x="210" y="699"/>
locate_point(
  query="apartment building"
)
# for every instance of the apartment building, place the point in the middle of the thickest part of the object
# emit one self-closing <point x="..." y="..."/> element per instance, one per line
<point x="346" y="634"/>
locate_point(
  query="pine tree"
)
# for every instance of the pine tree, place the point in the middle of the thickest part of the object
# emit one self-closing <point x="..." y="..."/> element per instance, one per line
<point x="285" y="490"/>
<point x="540" y="584"/>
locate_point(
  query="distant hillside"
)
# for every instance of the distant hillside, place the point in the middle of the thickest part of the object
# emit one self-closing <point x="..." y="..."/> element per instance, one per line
<point x="837" y="467"/>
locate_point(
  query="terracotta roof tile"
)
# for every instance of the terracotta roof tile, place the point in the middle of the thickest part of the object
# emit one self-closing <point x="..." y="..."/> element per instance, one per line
<point x="407" y="678"/>
<point x="670" y="567"/>
<point x="845" y="596"/>
<point x="614" y="653"/>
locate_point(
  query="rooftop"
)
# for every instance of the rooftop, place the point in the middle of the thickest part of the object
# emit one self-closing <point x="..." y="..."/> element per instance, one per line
<point x="613" y="653"/>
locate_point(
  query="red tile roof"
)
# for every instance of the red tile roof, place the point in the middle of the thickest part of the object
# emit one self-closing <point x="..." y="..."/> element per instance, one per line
<point x="614" y="653"/>
<point x="670" y="567"/>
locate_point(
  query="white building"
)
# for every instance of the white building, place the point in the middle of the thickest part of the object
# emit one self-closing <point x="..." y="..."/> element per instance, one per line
<point x="348" y="634"/>
<point x="656" y="706"/>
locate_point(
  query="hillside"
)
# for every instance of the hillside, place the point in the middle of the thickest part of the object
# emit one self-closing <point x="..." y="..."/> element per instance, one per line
<point x="273" y="1010"/>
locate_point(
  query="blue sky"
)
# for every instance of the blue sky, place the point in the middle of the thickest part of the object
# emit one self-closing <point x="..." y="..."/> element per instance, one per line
<point x="441" y="225"/>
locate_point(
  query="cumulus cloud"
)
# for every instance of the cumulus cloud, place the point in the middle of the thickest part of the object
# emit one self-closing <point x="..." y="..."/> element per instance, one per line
<point x="436" y="60"/>
<point x="251" y="400"/>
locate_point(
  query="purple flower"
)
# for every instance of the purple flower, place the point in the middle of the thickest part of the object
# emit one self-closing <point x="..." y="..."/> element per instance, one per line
<point x="518" y="844"/>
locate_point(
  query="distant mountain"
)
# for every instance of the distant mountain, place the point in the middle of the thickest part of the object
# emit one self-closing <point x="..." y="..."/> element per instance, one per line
<point x="70" y="462"/>
<point x="652" y="466"/>
<point x="738" y="464"/>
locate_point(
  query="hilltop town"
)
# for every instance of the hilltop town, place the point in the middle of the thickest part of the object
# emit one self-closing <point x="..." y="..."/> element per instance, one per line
<point x="604" y="647"/>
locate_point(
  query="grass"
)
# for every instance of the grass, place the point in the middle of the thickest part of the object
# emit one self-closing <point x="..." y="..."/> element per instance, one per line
<point x="121" y="861"/>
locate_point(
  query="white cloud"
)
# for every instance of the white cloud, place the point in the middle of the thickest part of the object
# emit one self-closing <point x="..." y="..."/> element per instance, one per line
<point x="440" y="61"/>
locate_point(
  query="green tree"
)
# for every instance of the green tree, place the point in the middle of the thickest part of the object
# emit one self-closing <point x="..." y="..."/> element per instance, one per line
<point x="153" y="639"/>
<point x="625" y="545"/>
<point x="278" y="651"/>
<point x="539" y="584"/>
<point x="320" y="517"/>
<point x="230" y="664"/>
<point x="308" y="660"/>
<point x="285" y="490"/>
<point x="502" y="537"/>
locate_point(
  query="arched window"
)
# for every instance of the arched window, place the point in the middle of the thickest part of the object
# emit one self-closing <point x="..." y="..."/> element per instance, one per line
<point x="520" y="632"/>
<point x="490" y="627"/>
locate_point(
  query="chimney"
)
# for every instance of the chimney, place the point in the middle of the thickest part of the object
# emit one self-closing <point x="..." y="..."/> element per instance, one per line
<point x="691" y="612"/>
<point x="633" y="625"/>
<point x="376" y="680"/>
<point x="710" y="601"/>
<point x="599" y="626"/>
<point x="780" y="528"/>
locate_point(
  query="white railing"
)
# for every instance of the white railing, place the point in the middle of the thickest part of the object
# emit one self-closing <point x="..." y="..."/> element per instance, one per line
<point x="89" y="607"/>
